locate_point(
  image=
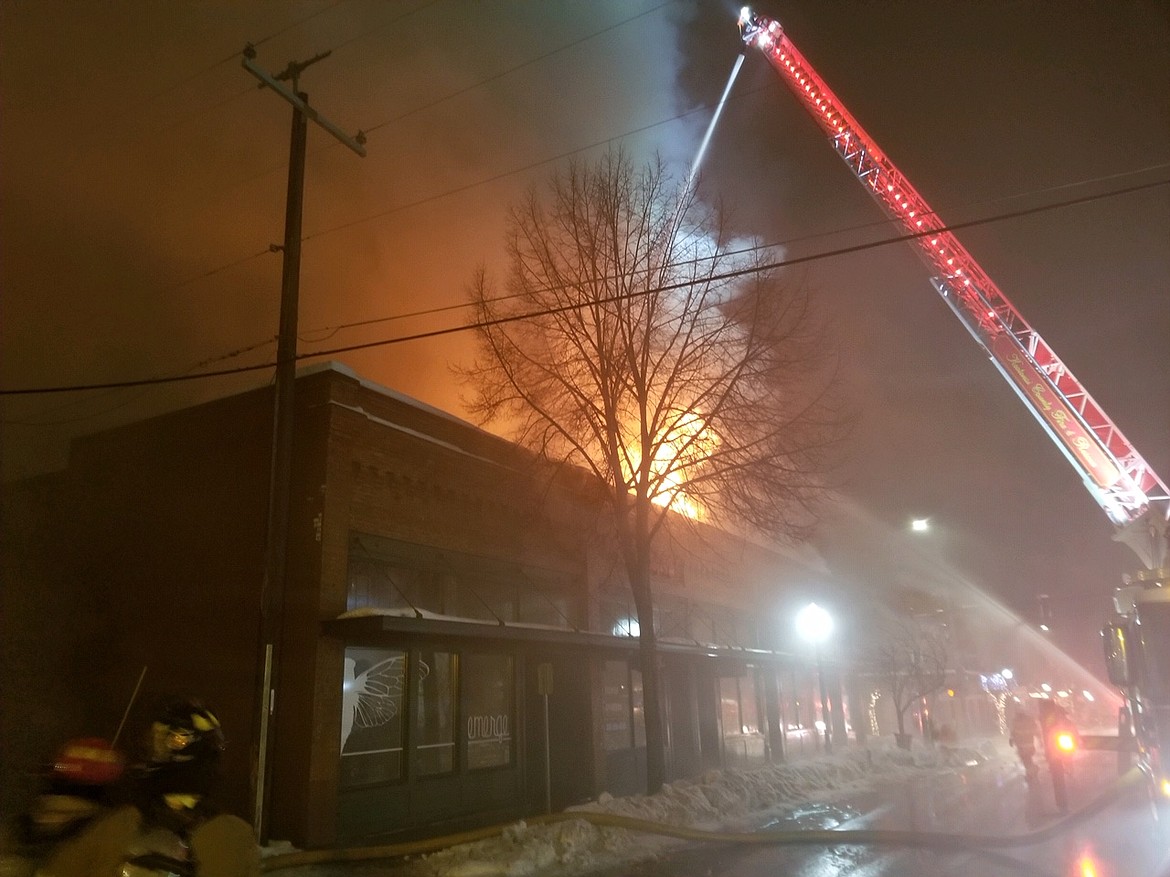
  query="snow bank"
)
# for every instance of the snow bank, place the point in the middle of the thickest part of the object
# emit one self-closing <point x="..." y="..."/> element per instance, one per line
<point x="735" y="800"/>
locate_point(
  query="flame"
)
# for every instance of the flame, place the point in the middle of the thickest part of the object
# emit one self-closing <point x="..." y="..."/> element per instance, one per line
<point x="686" y="442"/>
<point x="1087" y="866"/>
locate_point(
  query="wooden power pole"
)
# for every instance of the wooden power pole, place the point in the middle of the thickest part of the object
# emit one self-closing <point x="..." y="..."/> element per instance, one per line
<point x="280" y="477"/>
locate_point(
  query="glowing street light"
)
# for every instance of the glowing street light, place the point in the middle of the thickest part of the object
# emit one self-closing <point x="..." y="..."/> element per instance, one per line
<point x="815" y="624"/>
<point x="920" y="525"/>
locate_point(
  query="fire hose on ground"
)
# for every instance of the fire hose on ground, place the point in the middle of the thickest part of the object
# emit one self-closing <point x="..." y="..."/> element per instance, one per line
<point x="926" y="840"/>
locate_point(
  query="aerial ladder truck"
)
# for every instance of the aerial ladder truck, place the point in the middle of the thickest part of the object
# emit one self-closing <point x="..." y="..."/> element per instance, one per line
<point x="1135" y="499"/>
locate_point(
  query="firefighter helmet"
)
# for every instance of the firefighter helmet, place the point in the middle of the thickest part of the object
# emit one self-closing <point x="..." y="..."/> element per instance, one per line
<point x="88" y="761"/>
<point x="186" y="731"/>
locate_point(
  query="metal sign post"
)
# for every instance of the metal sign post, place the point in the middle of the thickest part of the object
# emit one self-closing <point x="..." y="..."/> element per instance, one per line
<point x="544" y="686"/>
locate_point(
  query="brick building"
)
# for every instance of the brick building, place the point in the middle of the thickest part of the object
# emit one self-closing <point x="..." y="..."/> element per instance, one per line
<point x="445" y="593"/>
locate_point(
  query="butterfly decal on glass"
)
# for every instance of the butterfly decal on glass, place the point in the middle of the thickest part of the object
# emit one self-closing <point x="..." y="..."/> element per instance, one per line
<point x="373" y="697"/>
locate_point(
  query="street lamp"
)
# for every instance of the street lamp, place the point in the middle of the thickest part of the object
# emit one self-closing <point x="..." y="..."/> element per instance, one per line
<point x="815" y="624"/>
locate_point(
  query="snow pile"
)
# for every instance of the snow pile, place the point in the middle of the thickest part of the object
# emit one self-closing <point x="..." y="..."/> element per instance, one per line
<point x="733" y="800"/>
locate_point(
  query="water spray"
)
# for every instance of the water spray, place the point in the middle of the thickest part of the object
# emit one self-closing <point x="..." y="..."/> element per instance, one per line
<point x="714" y="119"/>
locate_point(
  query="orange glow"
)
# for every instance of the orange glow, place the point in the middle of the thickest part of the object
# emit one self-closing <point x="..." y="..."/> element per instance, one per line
<point x="1087" y="867"/>
<point x="685" y="445"/>
<point x="1065" y="742"/>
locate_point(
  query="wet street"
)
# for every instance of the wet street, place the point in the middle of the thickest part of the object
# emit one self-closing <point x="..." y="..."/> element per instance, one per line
<point x="988" y="801"/>
<point x="1120" y="841"/>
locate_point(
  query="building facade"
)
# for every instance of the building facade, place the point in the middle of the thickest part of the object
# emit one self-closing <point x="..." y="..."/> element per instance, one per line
<point x="458" y="642"/>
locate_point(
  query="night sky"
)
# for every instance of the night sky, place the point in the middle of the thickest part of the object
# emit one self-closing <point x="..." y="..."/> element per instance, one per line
<point x="144" y="176"/>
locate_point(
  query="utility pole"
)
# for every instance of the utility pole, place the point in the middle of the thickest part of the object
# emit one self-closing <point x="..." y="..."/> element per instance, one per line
<point x="280" y="476"/>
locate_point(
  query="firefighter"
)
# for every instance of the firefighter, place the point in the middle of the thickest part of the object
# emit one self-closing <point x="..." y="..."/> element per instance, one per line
<point x="1023" y="740"/>
<point x="76" y="790"/>
<point x="164" y="810"/>
<point x="173" y="787"/>
<point x="1060" y="741"/>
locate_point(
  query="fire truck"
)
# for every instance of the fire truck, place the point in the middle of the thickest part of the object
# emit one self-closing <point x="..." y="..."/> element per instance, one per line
<point x="1135" y="499"/>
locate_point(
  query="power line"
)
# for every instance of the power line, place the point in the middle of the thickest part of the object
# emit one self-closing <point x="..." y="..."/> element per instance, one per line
<point x="504" y="174"/>
<point x="126" y="400"/>
<point x="235" y="56"/>
<point x="520" y="66"/>
<point x="330" y="331"/>
<point x="428" y="199"/>
<point x="742" y="272"/>
<point x="459" y="189"/>
<point x="727" y="275"/>
<point x="385" y="24"/>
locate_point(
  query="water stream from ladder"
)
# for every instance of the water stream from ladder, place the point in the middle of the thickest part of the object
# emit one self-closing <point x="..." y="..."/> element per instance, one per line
<point x="714" y="119"/>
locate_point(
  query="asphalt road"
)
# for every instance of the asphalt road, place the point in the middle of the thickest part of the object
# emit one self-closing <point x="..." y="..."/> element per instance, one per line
<point x="1120" y="840"/>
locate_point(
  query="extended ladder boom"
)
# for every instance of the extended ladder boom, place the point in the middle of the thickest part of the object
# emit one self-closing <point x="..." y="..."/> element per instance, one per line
<point x="1114" y="472"/>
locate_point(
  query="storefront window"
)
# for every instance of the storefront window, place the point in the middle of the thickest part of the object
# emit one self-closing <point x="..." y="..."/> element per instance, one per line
<point x="751" y="705"/>
<point x="741" y="711"/>
<point x="636" y="708"/>
<point x="729" y="704"/>
<point x="488" y="709"/>
<point x="434" y="714"/>
<point x="616" y="705"/>
<point x="622" y="707"/>
<point x="371" y="716"/>
<point x="743" y="740"/>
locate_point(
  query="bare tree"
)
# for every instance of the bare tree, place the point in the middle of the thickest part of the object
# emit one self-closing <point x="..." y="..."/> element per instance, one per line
<point x="630" y="340"/>
<point x="911" y="658"/>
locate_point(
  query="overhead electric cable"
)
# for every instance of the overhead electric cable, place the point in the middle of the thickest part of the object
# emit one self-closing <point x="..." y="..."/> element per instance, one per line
<point x="330" y="331"/>
<point x="385" y="24"/>
<point x="126" y="400"/>
<point x="458" y="190"/>
<point x="235" y="56"/>
<point x="492" y="78"/>
<point x="500" y="176"/>
<point x="513" y="69"/>
<point x="271" y="248"/>
<point x="727" y="275"/>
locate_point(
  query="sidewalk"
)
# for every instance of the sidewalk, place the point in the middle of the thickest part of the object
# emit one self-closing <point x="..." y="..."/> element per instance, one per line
<point x="731" y="800"/>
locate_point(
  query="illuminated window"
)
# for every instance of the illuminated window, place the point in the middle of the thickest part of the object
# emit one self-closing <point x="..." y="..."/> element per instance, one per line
<point x="617" y="618"/>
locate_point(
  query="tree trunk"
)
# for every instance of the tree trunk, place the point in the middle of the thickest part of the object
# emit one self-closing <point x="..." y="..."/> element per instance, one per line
<point x="901" y="738"/>
<point x="652" y="705"/>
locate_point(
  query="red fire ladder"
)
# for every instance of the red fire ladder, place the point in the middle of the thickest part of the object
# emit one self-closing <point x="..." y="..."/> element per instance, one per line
<point x="1114" y="472"/>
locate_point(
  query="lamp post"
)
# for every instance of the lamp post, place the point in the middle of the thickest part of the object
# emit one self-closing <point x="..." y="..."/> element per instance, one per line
<point x="814" y="624"/>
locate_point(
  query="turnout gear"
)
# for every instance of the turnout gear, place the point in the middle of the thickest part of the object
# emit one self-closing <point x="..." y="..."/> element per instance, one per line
<point x="1023" y="739"/>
